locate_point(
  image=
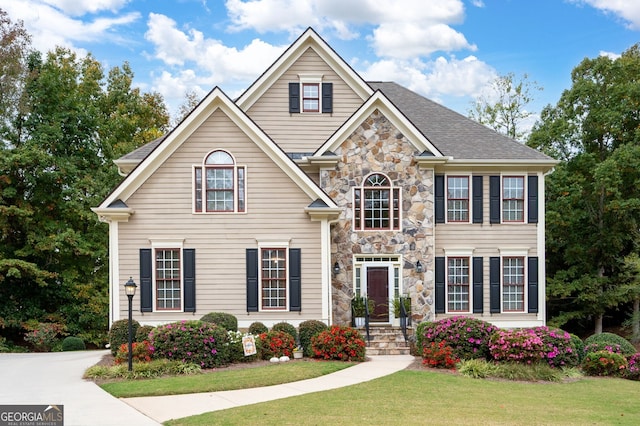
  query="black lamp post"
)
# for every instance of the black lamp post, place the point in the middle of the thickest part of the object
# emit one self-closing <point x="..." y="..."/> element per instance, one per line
<point x="130" y="291"/>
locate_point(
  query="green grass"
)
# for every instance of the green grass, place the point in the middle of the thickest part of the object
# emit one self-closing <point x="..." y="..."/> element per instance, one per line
<point x="412" y="397"/>
<point x="222" y="379"/>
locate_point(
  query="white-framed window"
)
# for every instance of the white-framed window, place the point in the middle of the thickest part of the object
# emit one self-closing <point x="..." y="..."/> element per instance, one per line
<point x="219" y="184"/>
<point x="310" y="97"/>
<point x="458" y="284"/>
<point x="376" y="204"/>
<point x="513" y="284"/>
<point x="513" y="198"/>
<point x="273" y="278"/>
<point x="457" y="198"/>
<point x="168" y="283"/>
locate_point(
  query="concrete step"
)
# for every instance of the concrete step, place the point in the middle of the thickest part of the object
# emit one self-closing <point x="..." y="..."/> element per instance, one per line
<point x="387" y="340"/>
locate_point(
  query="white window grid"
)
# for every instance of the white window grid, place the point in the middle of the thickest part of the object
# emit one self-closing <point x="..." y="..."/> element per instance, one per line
<point x="513" y="284"/>
<point x="168" y="286"/>
<point x="458" y="284"/>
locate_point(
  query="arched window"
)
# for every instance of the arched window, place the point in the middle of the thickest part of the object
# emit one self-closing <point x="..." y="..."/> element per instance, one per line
<point x="376" y="204"/>
<point x="224" y="184"/>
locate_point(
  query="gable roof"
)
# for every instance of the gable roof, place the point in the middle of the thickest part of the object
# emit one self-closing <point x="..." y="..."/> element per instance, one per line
<point x="308" y="39"/>
<point x="161" y="150"/>
<point x="453" y="134"/>
<point x="378" y="101"/>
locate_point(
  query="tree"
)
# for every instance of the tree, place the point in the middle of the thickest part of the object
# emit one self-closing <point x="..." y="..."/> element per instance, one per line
<point x="504" y="108"/>
<point x="191" y="100"/>
<point x="593" y="197"/>
<point x="53" y="251"/>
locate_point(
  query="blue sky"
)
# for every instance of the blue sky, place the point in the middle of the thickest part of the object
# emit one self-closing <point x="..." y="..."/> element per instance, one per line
<point x="446" y="50"/>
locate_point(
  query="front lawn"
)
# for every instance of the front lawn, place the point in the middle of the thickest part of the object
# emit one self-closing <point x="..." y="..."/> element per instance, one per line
<point x="412" y="397"/>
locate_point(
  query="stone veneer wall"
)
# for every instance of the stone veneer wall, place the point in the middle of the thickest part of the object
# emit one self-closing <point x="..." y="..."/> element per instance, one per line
<point x="377" y="146"/>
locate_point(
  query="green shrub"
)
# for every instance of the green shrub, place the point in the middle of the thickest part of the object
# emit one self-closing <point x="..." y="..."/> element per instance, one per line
<point x="578" y="347"/>
<point x="608" y="342"/>
<point x="72" y="343"/>
<point x="119" y="333"/>
<point x="477" y="368"/>
<point x="142" y="333"/>
<point x="287" y="328"/>
<point x="257" y="328"/>
<point x="196" y="342"/>
<point x="420" y="336"/>
<point x="339" y="343"/>
<point x="223" y="319"/>
<point x="275" y="344"/>
<point x="468" y="337"/>
<point x="604" y="363"/>
<point x="308" y="329"/>
<point x="236" y="349"/>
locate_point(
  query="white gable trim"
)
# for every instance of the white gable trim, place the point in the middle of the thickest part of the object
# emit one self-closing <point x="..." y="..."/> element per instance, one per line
<point x="215" y="100"/>
<point x="308" y="39"/>
<point x="380" y="102"/>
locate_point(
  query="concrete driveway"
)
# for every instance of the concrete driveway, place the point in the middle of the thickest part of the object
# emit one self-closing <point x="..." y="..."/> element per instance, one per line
<point x="56" y="379"/>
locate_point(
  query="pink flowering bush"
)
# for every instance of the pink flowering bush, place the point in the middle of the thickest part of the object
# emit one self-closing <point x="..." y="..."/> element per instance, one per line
<point x="633" y="370"/>
<point x="194" y="342"/>
<point x="604" y="363"/>
<point x="467" y="337"/>
<point x="44" y="335"/>
<point x="533" y="345"/>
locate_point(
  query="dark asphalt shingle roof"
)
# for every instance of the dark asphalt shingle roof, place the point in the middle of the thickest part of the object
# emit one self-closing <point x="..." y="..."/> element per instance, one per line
<point x="452" y="133"/>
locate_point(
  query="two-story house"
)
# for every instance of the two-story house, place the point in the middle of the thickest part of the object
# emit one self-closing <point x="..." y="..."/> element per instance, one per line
<point x="314" y="186"/>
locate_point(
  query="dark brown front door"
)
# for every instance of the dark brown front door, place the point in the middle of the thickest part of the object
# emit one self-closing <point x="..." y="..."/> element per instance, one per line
<point x="378" y="290"/>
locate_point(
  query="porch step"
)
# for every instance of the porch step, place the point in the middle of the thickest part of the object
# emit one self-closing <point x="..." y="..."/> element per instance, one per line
<point x="387" y="340"/>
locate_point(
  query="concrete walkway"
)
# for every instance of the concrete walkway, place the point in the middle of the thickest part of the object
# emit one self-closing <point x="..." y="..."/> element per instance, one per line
<point x="163" y="408"/>
<point x="55" y="378"/>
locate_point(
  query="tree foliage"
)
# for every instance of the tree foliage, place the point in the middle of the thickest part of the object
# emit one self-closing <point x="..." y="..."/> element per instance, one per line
<point x="593" y="197"/>
<point x="504" y="108"/>
<point x="55" y="167"/>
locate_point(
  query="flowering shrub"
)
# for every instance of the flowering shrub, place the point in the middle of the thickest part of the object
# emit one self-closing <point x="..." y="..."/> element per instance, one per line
<point x="140" y="352"/>
<point x="44" y="335"/>
<point x="522" y="346"/>
<point x="468" y="337"/>
<point x="559" y="348"/>
<point x="119" y="333"/>
<point x="340" y="343"/>
<point x="633" y="371"/>
<point x="276" y="344"/>
<point x="604" y="363"/>
<point x="610" y="342"/>
<point x="195" y="342"/>
<point x="439" y="355"/>
<point x="306" y="330"/>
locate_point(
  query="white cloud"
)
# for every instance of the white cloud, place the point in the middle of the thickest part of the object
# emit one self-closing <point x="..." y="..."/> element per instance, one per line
<point x="50" y="27"/>
<point x="81" y="7"/>
<point x="628" y="10"/>
<point x="610" y="55"/>
<point x="434" y="79"/>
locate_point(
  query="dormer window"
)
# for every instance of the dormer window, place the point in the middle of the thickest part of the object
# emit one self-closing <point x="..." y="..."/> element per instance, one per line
<point x="219" y="184"/>
<point x="376" y="204"/>
<point x="310" y="95"/>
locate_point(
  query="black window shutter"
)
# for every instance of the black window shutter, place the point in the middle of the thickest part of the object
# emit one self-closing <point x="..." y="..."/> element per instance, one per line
<point x="477" y="285"/>
<point x="189" y="276"/>
<point x="252" y="280"/>
<point x="477" y="199"/>
<point x="294" y="97"/>
<point x="441" y="271"/>
<point x="146" y="291"/>
<point x="494" y="285"/>
<point x="295" y="280"/>
<point x="439" y="198"/>
<point x="532" y="188"/>
<point x="532" y="285"/>
<point x="494" y="199"/>
<point x="327" y="97"/>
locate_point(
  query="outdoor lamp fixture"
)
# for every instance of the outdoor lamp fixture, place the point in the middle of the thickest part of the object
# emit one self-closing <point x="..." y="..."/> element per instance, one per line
<point x="130" y="291"/>
<point x="418" y="267"/>
<point x="336" y="268"/>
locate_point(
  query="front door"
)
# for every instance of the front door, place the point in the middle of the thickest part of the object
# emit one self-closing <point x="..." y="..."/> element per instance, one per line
<point x="378" y="290"/>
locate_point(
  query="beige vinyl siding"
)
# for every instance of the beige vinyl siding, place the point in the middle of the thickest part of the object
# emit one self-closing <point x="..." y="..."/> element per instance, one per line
<point x="303" y="132"/>
<point x="275" y="211"/>
<point x="486" y="240"/>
